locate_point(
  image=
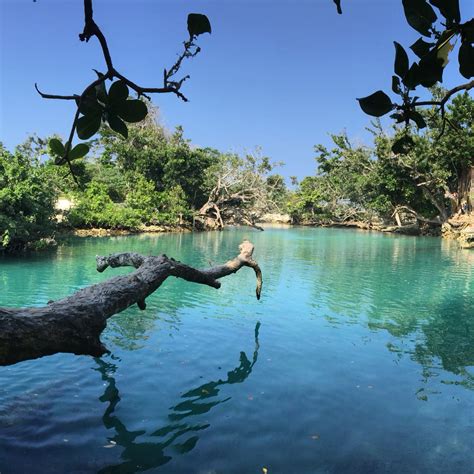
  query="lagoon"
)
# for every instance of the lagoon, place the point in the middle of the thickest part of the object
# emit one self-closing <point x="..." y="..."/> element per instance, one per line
<point x="358" y="358"/>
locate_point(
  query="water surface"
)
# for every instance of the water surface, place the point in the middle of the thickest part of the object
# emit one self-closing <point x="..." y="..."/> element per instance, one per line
<point x="358" y="358"/>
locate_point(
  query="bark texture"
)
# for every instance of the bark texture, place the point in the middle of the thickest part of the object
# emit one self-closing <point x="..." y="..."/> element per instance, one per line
<point x="74" y="324"/>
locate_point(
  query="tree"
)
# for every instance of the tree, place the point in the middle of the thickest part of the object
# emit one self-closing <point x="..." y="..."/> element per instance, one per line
<point x="438" y="164"/>
<point x="241" y="190"/>
<point x="167" y="161"/>
<point x="26" y="200"/>
<point x="429" y="182"/>
<point x="157" y="177"/>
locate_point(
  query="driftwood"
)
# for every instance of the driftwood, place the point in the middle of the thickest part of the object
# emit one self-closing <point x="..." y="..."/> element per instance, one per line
<point x="74" y="324"/>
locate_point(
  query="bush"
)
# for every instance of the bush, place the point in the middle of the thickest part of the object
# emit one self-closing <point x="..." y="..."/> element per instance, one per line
<point x="27" y="214"/>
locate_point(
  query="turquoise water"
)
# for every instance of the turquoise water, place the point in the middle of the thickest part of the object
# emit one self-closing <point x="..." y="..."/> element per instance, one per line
<point x="359" y="358"/>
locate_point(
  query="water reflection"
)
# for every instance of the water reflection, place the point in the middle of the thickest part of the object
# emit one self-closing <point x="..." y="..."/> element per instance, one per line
<point x="181" y="434"/>
<point x="419" y="290"/>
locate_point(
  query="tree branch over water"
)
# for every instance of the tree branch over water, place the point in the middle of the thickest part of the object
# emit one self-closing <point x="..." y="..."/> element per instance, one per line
<point x="74" y="324"/>
<point x="97" y="105"/>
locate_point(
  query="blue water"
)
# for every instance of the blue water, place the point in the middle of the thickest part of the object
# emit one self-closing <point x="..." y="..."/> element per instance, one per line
<point x="359" y="358"/>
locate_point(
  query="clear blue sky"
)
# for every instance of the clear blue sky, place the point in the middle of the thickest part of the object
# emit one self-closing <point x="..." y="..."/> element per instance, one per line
<point x="281" y="74"/>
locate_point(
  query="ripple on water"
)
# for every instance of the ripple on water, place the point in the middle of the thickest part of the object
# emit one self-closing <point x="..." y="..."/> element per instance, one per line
<point x="358" y="358"/>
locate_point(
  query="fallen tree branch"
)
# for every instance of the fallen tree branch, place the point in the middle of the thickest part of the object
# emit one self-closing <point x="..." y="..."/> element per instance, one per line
<point x="417" y="216"/>
<point x="74" y="324"/>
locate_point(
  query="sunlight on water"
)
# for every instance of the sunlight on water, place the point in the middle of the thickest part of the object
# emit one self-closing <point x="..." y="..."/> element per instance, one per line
<point x="358" y="358"/>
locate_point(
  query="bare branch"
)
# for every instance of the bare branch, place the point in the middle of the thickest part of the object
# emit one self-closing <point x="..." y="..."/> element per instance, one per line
<point x="74" y="324"/>
<point x="53" y="96"/>
<point x="441" y="103"/>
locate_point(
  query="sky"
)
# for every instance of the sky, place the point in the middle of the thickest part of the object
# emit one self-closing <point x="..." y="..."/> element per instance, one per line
<point x="278" y="74"/>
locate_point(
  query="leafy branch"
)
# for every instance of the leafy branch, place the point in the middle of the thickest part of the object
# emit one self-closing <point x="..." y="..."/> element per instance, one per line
<point x="428" y="70"/>
<point x="96" y="105"/>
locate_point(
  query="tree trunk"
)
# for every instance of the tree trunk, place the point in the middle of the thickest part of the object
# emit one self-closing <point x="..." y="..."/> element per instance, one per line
<point x="438" y="203"/>
<point x="466" y="190"/>
<point x="74" y="324"/>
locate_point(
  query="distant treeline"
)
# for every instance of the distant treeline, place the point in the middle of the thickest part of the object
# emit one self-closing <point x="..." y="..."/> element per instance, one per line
<point x="156" y="178"/>
<point x="151" y="178"/>
<point x="429" y="183"/>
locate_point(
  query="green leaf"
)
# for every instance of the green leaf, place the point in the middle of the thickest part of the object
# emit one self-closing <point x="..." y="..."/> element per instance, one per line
<point x="467" y="31"/>
<point x="417" y="118"/>
<point x="444" y="47"/>
<point x="421" y="47"/>
<point x="420" y="15"/>
<point x="79" y="151"/>
<point x="449" y="9"/>
<point x="377" y="104"/>
<point x="466" y="60"/>
<point x="430" y="69"/>
<point x="90" y="106"/>
<point x="118" y="92"/>
<point x="57" y="147"/>
<point x="411" y="80"/>
<point x="132" y="110"/>
<point x="198" y="24"/>
<point x="117" y="125"/>
<point x="403" y="145"/>
<point x="398" y="117"/>
<point x="100" y="89"/>
<point x="338" y="6"/>
<point x="396" y="85"/>
<point x="87" y="126"/>
<point x="401" y="60"/>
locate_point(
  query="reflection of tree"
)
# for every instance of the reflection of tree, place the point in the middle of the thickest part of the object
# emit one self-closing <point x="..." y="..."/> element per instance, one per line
<point x="442" y="339"/>
<point x="140" y="456"/>
<point x="418" y="290"/>
<point x="449" y="338"/>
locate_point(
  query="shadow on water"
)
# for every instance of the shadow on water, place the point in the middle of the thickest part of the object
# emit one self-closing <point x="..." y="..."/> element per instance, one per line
<point x="143" y="455"/>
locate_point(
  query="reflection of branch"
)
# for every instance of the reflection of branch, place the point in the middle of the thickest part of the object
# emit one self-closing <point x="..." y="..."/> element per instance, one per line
<point x="141" y="456"/>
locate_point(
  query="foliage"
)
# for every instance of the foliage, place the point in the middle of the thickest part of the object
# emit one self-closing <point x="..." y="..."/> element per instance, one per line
<point x="26" y="200"/>
<point x="151" y="178"/>
<point x="241" y="189"/>
<point x="167" y="161"/>
<point x="427" y="181"/>
<point x="442" y="30"/>
<point x="96" y="106"/>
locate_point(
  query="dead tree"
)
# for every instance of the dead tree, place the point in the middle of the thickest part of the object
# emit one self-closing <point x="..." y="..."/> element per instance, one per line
<point x="241" y="192"/>
<point x="74" y="324"/>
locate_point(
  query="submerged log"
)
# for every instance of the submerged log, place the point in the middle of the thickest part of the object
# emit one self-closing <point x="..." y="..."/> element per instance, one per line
<point x="74" y="324"/>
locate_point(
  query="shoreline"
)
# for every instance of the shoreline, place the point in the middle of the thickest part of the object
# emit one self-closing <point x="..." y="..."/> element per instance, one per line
<point x="103" y="232"/>
<point x="460" y="229"/>
<point x="450" y="229"/>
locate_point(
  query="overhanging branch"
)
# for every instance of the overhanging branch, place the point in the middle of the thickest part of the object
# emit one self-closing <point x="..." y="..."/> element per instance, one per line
<point x="170" y="85"/>
<point x="74" y="324"/>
